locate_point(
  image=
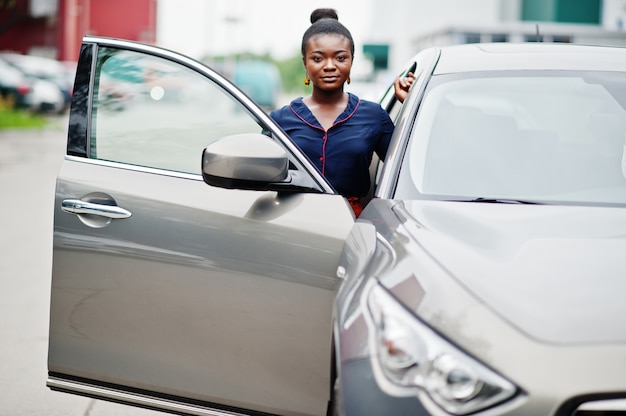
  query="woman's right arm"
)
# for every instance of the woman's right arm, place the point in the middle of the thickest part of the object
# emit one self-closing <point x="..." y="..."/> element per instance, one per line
<point x="402" y="86"/>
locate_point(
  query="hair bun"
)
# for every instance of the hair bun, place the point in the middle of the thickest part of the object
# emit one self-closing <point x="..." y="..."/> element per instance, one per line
<point x="318" y="14"/>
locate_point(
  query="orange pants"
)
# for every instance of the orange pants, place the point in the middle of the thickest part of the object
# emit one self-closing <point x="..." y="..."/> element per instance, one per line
<point x="355" y="203"/>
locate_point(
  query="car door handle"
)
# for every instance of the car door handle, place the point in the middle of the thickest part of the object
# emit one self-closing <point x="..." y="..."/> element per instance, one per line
<point x="77" y="206"/>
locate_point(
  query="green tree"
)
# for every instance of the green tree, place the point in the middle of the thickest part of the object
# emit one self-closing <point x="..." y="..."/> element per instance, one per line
<point x="292" y="74"/>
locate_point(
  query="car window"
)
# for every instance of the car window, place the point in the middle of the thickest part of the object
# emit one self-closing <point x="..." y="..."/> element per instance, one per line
<point x="421" y="66"/>
<point x="544" y="136"/>
<point x="149" y="111"/>
<point x="389" y="101"/>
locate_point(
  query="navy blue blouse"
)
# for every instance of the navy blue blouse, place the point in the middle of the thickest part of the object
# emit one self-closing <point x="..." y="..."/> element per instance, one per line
<point x="342" y="153"/>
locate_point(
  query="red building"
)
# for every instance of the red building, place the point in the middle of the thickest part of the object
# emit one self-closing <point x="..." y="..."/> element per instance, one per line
<point x="54" y="28"/>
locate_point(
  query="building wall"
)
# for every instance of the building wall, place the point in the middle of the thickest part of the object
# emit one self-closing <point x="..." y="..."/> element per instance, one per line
<point x="132" y="20"/>
<point x="74" y="23"/>
<point x="415" y="18"/>
<point x="20" y="30"/>
<point x="60" y="35"/>
<point x="614" y="14"/>
<point x="425" y="23"/>
<point x="566" y="11"/>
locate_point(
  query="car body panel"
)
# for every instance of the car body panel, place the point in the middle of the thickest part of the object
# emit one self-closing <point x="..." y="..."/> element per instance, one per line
<point x="165" y="285"/>
<point x="516" y="259"/>
<point x="189" y="297"/>
<point x="524" y="56"/>
<point x="433" y="269"/>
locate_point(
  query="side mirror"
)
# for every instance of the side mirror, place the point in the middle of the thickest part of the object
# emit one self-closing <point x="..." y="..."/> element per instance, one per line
<point x="244" y="161"/>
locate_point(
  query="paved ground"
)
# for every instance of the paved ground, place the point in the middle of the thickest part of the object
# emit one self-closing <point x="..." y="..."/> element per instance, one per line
<point x="29" y="162"/>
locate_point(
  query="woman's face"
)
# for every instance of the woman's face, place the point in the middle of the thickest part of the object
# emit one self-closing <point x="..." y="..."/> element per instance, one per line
<point x="328" y="61"/>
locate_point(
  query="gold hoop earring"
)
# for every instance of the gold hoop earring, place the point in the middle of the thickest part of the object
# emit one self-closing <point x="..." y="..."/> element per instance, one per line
<point x="307" y="81"/>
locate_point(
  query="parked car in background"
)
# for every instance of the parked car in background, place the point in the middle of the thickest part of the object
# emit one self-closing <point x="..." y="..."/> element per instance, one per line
<point x="69" y="71"/>
<point x="46" y="97"/>
<point x="14" y="87"/>
<point x="260" y="80"/>
<point x="44" y="69"/>
<point x="22" y="90"/>
<point x="203" y="268"/>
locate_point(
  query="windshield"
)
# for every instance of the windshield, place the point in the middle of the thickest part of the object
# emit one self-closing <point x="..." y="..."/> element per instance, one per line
<point x="548" y="136"/>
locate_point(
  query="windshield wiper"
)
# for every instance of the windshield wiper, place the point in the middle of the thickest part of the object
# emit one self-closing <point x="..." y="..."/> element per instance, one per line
<point x="502" y="201"/>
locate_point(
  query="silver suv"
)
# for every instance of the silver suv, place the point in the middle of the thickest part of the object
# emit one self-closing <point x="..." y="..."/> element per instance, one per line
<point x="201" y="267"/>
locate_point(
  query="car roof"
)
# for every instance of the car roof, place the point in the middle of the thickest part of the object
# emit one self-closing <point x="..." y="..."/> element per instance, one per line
<point x="529" y="56"/>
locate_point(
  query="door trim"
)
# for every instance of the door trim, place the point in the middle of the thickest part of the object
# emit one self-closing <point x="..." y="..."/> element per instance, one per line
<point x="140" y="399"/>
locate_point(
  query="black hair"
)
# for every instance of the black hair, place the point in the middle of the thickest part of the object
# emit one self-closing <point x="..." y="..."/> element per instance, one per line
<point x="325" y="21"/>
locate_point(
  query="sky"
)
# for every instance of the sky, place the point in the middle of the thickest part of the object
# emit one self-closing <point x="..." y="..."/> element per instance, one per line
<point x="202" y="27"/>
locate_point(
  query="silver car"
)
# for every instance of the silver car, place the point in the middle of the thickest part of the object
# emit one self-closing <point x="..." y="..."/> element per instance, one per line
<point x="202" y="266"/>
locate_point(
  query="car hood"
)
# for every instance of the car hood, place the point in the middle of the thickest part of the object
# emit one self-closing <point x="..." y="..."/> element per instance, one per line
<point x="558" y="273"/>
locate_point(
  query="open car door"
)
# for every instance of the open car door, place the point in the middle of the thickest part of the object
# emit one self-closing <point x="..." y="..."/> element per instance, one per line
<point x="169" y="293"/>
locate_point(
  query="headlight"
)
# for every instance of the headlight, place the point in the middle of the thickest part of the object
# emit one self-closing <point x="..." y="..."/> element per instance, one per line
<point x="407" y="355"/>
